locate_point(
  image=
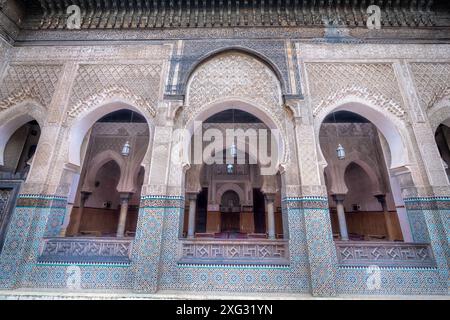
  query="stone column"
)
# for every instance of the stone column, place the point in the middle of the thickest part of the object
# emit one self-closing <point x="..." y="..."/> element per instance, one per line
<point x="387" y="218"/>
<point x="270" y="215"/>
<point x="192" y="197"/>
<point x="339" y="198"/>
<point x="84" y="196"/>
<point x="124" y="200"/>
<point x="308" y="198"/>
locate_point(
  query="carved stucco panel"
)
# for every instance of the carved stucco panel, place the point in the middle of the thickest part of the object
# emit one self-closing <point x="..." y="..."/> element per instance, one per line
<point x="94" y="84"/>
<point x="28" y="82"/>
<point x="432" y="81"/>
<point x="374" y="82"/>
<point x="230" y="76"/>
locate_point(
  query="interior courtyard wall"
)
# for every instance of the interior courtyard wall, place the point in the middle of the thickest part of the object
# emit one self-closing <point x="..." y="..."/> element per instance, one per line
<point x="402" y="103"/>
<point x="156" y="245"/>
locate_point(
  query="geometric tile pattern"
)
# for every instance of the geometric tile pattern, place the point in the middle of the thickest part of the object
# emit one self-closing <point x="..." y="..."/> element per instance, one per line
<point x="436" y="213"/>
<point x="243" y="278"/>
<point x="391" y="281"/>
<point x="156" y="251"/>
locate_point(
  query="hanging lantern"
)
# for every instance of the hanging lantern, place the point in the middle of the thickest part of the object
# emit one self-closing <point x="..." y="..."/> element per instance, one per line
<point x="126" y="149"/>
<point x="340" y="151"/>
<point x="233" y="150"/>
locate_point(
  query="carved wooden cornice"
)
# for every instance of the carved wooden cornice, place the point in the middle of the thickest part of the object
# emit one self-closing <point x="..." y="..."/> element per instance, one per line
<point x="133" y="14"/>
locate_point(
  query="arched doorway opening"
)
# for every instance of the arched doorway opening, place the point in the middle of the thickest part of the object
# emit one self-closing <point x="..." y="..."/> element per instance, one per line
<point x="19" y="138"/>
<point x="361" y="199"/>
<point x="108" y="193"/>
<point x="230" y="213"/>
<point x="442" y="136"/>
<point x="19" y="150"/>
<point x="230" y="196"/>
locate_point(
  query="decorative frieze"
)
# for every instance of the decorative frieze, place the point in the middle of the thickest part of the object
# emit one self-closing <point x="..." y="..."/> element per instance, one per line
<point x="85" y="250"/>
<point x="129" y="14"/>
<point x="199" y="251"/>
<point x="150" y="52"/>
<point x="384" y="254"/>
<point x="314" y="203"/>
<point x="427" y="203"/>
<point x="41" y="201"/>
<point x="154" y="201"/>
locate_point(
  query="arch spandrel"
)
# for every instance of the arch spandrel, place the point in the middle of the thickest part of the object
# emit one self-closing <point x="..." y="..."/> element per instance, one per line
<point x="439" y="113"/>
<point x="233" y="76"/>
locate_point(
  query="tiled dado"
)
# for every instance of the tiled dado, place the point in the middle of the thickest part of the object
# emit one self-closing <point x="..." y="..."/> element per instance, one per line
<point x="54" y="204"/>
<point x="154" y="256"/>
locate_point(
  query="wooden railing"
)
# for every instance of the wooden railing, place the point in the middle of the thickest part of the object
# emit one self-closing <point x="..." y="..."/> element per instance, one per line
<point x="384" y="254"/>
<point x="239" y="251"/>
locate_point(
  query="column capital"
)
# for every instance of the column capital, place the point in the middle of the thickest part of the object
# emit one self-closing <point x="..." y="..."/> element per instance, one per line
<point x="380" y="197"/>
<point x="269" y="197"/>
<point x="191" y="196"/>
<point x="125" y="195"/>
<point x="295" y="103"/>
<point x="338" y="197"/>
<point x="85" y="195"/>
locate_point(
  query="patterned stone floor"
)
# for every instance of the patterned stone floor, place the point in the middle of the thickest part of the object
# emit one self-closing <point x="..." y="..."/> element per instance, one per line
<point x="27" y="294"/>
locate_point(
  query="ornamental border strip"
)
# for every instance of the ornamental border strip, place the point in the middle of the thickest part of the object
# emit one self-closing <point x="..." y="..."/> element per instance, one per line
<point x="306" y="203"/>
<point x="41" y="201"/>
<point x="83" y="264"/>
<point x="305" y="198"/>
<point x="161" y="202"/>
<point x="392" y="268"/>
<point x="42" y="196"/>
<point x="427" y="203"/>
<point x="233" y="266"/>
<point x="163" y="197"/>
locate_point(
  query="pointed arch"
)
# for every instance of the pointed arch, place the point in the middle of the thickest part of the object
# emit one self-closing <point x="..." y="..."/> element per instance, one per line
<point x="84" y="122"/>
<point x="392" y="128"/>
<point x="368" y="169"/>
<point x="98" y="162"/>
<point x="240" y="104"/>
<point x="227" y="187"/>
<point x="15" y="117"/>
